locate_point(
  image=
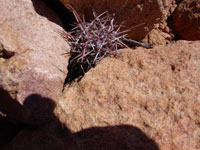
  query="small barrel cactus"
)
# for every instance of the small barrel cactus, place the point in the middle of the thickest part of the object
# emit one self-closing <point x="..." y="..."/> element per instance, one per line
<point x="92" y="41"/>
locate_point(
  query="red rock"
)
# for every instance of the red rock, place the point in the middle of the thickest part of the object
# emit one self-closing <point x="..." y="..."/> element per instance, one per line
<point x="132" y="12"/>
<point x="161" y="33"/>
<point x="154" y="90"/>
<point x="141" y="99"/>
<point x="32" y="66"/>
<point x="30" y="47"/>
<point x="159" y="37"/>
<point x="186" y="20"/>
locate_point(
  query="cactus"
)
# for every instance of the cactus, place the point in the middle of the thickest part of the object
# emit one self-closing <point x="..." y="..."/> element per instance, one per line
<point x="92" y="41"/>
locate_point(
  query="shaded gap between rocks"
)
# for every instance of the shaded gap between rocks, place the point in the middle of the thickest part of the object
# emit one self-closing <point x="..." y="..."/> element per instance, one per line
<point x="171" y="24"/>
<point x="67" y="18"/>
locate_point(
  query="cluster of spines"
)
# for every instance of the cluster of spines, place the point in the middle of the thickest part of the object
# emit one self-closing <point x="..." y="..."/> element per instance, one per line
<point x="92" y="41"/>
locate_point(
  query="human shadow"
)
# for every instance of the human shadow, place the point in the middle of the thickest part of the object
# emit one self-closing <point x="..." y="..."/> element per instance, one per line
<point x="44" y="131"/>
<point x="120" y="137"/>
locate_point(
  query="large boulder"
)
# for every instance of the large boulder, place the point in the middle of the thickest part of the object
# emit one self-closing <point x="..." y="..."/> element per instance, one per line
<point x="154" y="90"/>
<point x="186" y="20"/>
<point x="30" y="47"/>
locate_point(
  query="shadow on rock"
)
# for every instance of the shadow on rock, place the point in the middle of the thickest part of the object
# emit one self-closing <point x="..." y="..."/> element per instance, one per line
<point x="121" y="137"/>
<point x="12" y="117"/>
<point x="41" y="109"/>
<point x="55" y="11"/>
<point x="45" y="132"/>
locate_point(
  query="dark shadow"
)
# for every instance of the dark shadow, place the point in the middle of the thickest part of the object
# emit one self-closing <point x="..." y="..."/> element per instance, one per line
<point x="41" y="109"/>
<point x="54" y="11"/>
<point x="11" y="115"/>
<point x="121" y="137"/>
<point x="75" y="70"/>
<point x="43" y="131"/>
<point x="170" y="22"/>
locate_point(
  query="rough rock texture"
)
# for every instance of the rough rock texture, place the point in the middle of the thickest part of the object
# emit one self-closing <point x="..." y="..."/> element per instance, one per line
<point x="186" y="20"/>
<point x="154" y="90"/>
<point x="134" y="12"/>
<point x="141" y="100"/>
<point x="160" y="34"/>
<point x="30" y="46"/>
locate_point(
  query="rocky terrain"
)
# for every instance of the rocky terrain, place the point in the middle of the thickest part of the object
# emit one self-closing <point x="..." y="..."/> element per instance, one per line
<point x="141" y="99"/>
